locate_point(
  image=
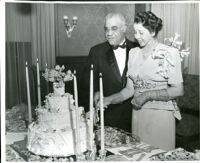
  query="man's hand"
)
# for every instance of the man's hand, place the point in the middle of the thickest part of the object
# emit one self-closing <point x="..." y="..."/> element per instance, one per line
<point x="87" y="115"/>
<point x="106" y="102"/>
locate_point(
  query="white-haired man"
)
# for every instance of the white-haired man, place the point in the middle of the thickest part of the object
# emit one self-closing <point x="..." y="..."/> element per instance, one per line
<point x="110" y="58"/>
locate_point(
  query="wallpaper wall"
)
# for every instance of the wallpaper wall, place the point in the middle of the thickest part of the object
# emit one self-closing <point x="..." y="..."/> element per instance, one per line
<point x="89" y="31"/>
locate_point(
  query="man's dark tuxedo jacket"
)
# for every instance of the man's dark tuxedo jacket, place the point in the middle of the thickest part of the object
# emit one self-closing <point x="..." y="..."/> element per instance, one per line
<point x="103" y="59"/>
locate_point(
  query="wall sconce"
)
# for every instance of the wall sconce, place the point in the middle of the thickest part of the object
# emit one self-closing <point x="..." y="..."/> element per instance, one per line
<point x="68" y="27"/>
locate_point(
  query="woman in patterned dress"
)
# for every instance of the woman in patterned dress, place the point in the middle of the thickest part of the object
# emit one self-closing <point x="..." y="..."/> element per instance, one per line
<point x="154" y="79"/>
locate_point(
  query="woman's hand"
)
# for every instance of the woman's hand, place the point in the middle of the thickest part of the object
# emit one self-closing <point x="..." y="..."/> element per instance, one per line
<point x="140" y="100"/>
<point x="135" y="105"/>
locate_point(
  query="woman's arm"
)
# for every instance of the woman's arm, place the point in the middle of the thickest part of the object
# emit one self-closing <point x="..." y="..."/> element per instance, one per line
<point x="173" y="91"/>
<point x="175" y="83"/>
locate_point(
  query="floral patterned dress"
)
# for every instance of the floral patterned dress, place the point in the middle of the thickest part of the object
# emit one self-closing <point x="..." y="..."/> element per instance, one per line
<point x="155" y="122"/>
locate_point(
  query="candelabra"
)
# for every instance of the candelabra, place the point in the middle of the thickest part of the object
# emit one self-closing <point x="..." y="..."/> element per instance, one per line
<point x="68" y="27"/>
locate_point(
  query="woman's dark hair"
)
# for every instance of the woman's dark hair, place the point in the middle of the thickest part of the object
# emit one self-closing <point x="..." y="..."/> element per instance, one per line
<point x="150" y="21"/>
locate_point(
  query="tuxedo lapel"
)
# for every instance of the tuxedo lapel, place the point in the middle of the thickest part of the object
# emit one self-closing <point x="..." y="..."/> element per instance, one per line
<point x="113" y="64"/>
<point x="128" y="47"/>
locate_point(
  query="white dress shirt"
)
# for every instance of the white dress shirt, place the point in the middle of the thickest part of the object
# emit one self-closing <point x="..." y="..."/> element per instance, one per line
<point x="120" y="55"/>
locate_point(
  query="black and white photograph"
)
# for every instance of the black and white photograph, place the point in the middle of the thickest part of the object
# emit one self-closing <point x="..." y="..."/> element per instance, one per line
<point x="100" y="81"/>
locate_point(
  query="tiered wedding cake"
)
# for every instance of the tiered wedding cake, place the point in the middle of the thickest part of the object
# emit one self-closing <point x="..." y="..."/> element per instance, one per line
<point x="53" y="133"/>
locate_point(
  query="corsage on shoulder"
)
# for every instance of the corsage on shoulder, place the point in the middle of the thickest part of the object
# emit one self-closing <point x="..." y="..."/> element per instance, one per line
<point x="163" y="54"/>
<point x="174" y="42"/>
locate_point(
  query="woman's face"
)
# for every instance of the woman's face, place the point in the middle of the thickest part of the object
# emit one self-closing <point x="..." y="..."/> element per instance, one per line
<point x="142" y="35"/>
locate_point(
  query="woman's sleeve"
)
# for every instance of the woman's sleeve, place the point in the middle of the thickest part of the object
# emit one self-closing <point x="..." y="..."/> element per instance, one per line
<point x="175" y="74"/>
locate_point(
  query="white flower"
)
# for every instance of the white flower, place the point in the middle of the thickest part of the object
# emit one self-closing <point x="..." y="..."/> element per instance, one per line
<point x="184" y="52"/>
<point x="57" y="67"/>
<point x="173" y="42"/>
<point x="57" y="74"/>
<point x="51" y="79"/>
<point x="163" y="54"/>
<point x="63" y="67"/>
<point x="69" y="72"/>
<point x="165" y="63"/>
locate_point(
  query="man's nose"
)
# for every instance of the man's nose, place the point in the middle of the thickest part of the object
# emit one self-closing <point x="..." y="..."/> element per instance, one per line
<point x="109" y="32"/>
<point x="137" y="36"/>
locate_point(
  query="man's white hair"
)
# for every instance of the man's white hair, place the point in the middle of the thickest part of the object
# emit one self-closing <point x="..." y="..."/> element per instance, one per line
<point x="118" y="15"/>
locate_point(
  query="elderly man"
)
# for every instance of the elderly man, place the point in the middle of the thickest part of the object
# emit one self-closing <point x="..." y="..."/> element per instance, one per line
<point x="110" y="58"/>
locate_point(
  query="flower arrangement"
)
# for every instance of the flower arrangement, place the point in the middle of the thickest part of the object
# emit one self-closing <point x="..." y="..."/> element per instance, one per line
<point x="58" y="75"/>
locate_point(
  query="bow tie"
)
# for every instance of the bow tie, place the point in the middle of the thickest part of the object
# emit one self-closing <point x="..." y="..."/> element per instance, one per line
<point x="120" y="46"/>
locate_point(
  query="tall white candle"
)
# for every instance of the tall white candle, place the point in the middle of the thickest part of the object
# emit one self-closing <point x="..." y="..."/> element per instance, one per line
<point x="38" y="83"/>
<point x="46" y="70"/>
<point x="101" y="112"/>
<point x="91" y="109"/>
<point x="78" y="145"/>
<point x="28" y="95"/>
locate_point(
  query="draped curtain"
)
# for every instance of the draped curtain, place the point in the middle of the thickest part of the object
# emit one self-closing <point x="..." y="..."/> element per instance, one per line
<point x="22" y="46"/>
<point x="183" y="19"/>
<point x="17" y="53"/>
<point x="43" y="34"/>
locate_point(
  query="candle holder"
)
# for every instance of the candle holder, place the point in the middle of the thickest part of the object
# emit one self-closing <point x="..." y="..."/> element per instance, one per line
<point x="80" y="157"/>
<point x="91" y="154"/>
<point x="68" y="27"/>
<point x="102" y="154"/>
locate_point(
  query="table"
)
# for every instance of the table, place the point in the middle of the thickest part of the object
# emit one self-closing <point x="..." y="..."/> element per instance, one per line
<point x="16" y="151"/>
